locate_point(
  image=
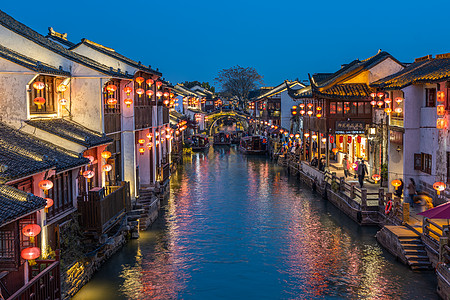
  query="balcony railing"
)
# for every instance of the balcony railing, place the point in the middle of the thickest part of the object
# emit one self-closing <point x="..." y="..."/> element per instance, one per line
<point x="45" y="285"/>
<point x="104" y="207"/>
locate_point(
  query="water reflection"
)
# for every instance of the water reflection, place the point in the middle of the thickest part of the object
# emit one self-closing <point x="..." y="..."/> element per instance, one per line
<point x="238" y="227"/>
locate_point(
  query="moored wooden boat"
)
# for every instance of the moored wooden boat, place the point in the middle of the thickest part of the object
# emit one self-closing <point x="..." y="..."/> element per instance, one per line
<point x="255" y="144"/>
<point x="199" y="142"/>
<point x="222" y="138"/>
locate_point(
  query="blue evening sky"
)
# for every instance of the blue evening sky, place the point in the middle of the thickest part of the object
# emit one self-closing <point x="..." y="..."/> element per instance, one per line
<point x="193" y="40"/>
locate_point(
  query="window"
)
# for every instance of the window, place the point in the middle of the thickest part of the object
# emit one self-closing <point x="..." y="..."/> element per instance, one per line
<point x="360" y="108"/>
<point x="61" y="193"/>
<point x="417" y="161"/>
<point x="346" y="107"/>
<point x="332" y="108"/>
<point x="426" y="163"/>
<point x="430" y="97"/>
<point x="354" y="108"/>
<point x="111" y="108"/>
<point x="48" y="93"/>
<point x="368" y="108"/>
<point x="339" y="108"/>
<point x="9" y="247"/>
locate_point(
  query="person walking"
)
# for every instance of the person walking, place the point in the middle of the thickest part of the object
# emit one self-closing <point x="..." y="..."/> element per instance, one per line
<point x="345" y="165"/>
<point x="362" y="171"/>
<point x="411" y="191"/>
<point x="399" y="191"/>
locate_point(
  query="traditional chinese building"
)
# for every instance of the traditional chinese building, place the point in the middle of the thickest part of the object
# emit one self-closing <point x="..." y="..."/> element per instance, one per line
<point x="416" y="110"/>
<point x="336" y="109"/>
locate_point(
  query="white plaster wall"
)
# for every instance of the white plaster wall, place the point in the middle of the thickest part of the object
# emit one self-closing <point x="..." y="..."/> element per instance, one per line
<point x="286" y="104"/>
<point x="143" y="160"/>
<point x="54" y="139"/>
<point x="129" y="160"/>
<point x="13" y="92"/>
<point x="104" y="59"/>
<point x="385" y="68"/>
<point x="87" y="108"/>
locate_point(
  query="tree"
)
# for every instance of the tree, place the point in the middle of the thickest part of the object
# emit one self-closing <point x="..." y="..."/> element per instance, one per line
<point x="238" y="82"/>
<point x="205" y="85"/>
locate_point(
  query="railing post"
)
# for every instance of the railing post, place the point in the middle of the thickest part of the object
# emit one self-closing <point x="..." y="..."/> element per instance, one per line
<point x="341" y="184"/>
<point x="424" y="226"/>
<point x="381" y="197"/>
<point x="443" y="241"/>
<point x="352" y="191"/>
<point x="363" y="198"/>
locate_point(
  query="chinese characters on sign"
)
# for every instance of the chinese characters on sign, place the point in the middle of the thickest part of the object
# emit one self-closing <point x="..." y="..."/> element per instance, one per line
<point x="350" y="127"/>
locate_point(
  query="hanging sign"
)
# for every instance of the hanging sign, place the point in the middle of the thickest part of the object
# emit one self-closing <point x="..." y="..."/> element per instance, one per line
<point x="350" y="127"/>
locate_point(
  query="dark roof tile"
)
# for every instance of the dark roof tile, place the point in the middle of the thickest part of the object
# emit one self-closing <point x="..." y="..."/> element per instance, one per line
<point x="25" y="31"/>
<point x="30" y="63"/>
<point x="22" y="155"/>
<point x="71" y="131"/>
<point x="15" y="203"/>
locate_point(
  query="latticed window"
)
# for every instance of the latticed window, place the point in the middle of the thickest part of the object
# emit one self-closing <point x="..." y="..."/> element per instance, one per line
<point x="61" y="193"/>
<point x="42" y="95"/>
<point x="9" y="247"/>
<point x="111" y="97"/>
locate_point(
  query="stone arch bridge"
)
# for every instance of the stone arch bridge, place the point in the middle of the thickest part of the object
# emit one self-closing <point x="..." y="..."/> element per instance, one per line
<point x="213" y="117"/>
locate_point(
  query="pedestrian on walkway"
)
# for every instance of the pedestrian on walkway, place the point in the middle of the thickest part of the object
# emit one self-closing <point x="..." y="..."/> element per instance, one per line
<point x="411" y="191"/>
<point x="345" y="165"/>
<point x="399" y="191"/>
<point x="362" y="171"/>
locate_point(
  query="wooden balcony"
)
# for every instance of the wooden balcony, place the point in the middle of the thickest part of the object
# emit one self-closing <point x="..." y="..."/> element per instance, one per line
<point x="45" y="285"/>
<point x="104" y="207"/>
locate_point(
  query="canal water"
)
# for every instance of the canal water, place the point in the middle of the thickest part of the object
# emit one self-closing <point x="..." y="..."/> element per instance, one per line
<point x="239" y="227"/>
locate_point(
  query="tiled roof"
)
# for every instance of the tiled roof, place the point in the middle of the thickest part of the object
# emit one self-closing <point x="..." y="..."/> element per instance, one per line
<point x="317" y="78"/>
<point x="28" y="33"/>
<point x="23" y="155"/>
<point x="30" y="63"/>
<point x="112" y="53"/>
<point x="280" y="88"/>
<point x="305" y="92"/>
<point x="71" y="131"/>
<point x="15" y="203"/>
<point x="59" y="38"/>
<point x="355" y="67"/>
<point x="183" y="91"/>
<point x="346" y="91"/>
<point x="426" y="71"/>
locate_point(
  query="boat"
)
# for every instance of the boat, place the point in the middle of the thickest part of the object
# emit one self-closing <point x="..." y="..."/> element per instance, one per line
<point x="222" y="138"/>
<point x="236" y="136"/>
<point x="255" y="144"/>
<point x="199" y="142"/>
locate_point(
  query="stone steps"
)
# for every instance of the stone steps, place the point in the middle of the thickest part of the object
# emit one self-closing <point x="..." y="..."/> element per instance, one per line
<point x="415" y="253"/>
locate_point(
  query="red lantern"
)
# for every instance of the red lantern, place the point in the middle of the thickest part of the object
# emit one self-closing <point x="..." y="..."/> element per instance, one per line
<point x="128" y="90"/>
<point x="388" y="110"/>
<point x="159" y="94"/>
<point x="90" y="157"/>
<point x="380" y="95"/>
<point x="45" y="185"/>
<point x="380" y="103"/>
<point x="62" y="88"/>
<point x="149" y="135"/>
<point x="166" y="94"/>
<point x="373" y="95"/>
<point x="294" y="112"/>
<point x="349" y="139"/>
<point x="399" y="100"/>
<point x="111" y="102"/>
<point x="440" y="96"/>
<point x="106" y="154"/>
<point x="439" y="187"/>
<point x="49" y="203"/>
<point x="38" y="85"/>
<point x="319" y="116"/>
<point x="88" y="174"/>
<point x="396" y="183"/>
<point x="341" y="139"/>
<point x="111" y="89"/>
<point x="331" y="139"/>
<point x="140" y="91"/>
<point x="141" y="142"/>
<point x="441" y="123"/>
<point x="335" y="150"/>
<point x="302" y="112"/>
<point x="358" y="139"/>
<point x="149" y="82"/>
<point x="294" y="107"/>
<point x="106" y="168"/>
<point x="158" y="84"/>
<point x="319" y="108"/>
<point x="387" y="100"/>
<point x="128" y="102"/>
<point x="324" y="140"/>
<point x="440" y="110"/>
<point x="39" y="101"/>
<point x="149" y="146"/>
<point x="30" y="253"/>
<point x="141" y="151"/>
<point x="166" y="102"/>
<point x="139" y="80"/>
<point x="149" y="93"/>
<point x="376" y="177"/>
<point x="31" y="230"/>
<point x="309" y="113"/>
<point x="373" y="102"/>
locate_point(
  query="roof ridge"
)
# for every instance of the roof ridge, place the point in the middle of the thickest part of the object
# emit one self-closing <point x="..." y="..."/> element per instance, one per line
<point x="97" y="44"/>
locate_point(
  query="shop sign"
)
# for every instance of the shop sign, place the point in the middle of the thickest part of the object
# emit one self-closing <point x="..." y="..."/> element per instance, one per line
<point x="350" y="127"/>
<point x="396" y="137"/>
